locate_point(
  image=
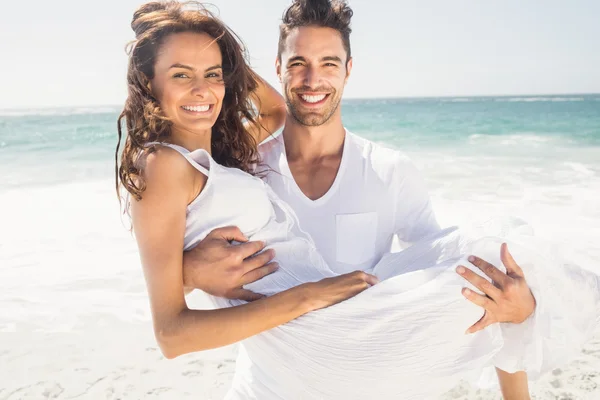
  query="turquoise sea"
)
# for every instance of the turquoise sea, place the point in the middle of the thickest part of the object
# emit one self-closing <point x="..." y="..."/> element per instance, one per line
<point x="77" y="144"/>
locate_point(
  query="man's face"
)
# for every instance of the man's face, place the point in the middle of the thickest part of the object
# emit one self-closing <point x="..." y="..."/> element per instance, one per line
<point x="313" y="71"/>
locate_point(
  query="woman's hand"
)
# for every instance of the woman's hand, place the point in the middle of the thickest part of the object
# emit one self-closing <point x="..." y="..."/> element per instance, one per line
<point x="330" y="291"/>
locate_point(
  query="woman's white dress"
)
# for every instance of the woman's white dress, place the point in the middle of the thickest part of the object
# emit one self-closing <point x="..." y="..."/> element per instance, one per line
<point x="403" y="338"/>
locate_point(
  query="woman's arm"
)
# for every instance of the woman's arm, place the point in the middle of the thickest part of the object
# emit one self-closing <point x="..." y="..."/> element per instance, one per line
<point x="159" y="225"/>
<point x="271" y="111"/>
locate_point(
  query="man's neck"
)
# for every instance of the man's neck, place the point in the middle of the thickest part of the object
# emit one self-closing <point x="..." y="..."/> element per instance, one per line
<point x="311" y="143"/>
<point x="314" y="154"/>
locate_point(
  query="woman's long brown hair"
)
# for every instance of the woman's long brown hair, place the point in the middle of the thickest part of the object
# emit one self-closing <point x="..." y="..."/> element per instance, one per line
<point x="232" y="145"/>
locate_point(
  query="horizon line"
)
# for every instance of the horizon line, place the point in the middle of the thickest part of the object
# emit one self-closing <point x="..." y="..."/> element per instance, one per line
<point x="45" y="107"/>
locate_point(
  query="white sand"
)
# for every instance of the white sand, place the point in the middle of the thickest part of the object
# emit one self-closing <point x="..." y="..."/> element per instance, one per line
<point x="125" y="363"/>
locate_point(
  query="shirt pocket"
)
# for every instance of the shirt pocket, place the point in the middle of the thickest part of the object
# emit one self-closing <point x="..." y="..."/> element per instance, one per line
<point x="355" y="237"/>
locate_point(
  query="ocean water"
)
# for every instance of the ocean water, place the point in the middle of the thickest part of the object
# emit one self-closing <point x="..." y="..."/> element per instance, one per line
<point x="68" y="262"/>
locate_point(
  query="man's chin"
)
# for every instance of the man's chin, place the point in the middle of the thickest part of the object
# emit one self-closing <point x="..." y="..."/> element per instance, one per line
<point x="311" y="119"/>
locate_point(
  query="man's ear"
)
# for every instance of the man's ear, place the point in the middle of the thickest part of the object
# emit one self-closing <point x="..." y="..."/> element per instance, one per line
<point x="348" y="69"/>
<point x="278" y="68"/>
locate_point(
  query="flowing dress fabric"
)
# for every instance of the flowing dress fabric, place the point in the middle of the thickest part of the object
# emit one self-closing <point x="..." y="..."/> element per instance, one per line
<point x="404" y="337"/>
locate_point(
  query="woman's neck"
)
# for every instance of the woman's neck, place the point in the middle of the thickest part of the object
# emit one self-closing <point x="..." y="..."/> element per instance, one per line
<point x="191" y="140"/>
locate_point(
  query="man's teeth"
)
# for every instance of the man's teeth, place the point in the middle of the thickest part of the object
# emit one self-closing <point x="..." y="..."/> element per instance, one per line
<point x="313" y="99"/>
<point x="197" y="108"/>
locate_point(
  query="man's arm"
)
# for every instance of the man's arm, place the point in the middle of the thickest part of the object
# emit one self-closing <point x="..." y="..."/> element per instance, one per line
<point x="414" y="218"/>
<point x="219" y="267"/>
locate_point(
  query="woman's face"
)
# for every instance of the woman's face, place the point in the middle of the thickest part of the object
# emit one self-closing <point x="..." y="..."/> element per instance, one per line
<point x="188" y="81"/>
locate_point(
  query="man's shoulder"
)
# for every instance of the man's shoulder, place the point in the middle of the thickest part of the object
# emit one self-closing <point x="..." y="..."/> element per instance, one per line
<point x="380" y="156"/>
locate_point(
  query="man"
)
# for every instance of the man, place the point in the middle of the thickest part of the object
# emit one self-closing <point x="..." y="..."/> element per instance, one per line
<point x="351" y="195"/>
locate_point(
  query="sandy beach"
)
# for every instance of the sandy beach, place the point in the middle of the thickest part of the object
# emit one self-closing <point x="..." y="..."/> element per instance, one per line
<point x="124" y="363"/>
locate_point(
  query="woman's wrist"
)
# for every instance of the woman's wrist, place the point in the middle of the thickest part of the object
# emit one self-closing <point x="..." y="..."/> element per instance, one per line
<point x="300" y="297"/>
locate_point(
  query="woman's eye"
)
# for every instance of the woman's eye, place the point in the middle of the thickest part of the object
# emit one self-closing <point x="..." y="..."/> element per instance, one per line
<point x="180" y="75"/>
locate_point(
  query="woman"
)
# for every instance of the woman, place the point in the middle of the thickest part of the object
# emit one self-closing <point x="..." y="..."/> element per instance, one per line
<point x="190" y="146"/>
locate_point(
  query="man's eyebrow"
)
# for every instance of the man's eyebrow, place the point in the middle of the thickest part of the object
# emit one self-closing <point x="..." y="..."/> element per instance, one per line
<point x="297" y="58"/>
<point x="332" y="58"/>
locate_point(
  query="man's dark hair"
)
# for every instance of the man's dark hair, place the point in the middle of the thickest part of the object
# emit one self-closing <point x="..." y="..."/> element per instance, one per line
<point x="334" y="14"/>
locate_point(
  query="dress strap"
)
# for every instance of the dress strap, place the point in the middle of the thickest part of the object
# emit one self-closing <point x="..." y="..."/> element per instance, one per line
<point x="193" y="157"/>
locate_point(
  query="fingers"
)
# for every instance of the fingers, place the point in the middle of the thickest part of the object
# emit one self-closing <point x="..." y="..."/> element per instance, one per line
<point x="342" y="287"/>
<point x="356" y="281"/>
<point x="365" y="277"/>
<point x="491" y="271"/>
<point x="359" y="282"/>
<point x="371" y="279"/>
<point x="259" y="273"/>
<point x="479" y="282"/>
<point x="245" y="295"/>
<point x="248" y="249"/>
<point x="509" y="262"/>
<point x="478" y="299"/>
<point x="483" y="323"/>
<point x="253" y="262"/>
<point x="229" y="233"/>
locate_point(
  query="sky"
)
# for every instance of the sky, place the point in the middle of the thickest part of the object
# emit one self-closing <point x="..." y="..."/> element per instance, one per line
<point x="71" y="52"/>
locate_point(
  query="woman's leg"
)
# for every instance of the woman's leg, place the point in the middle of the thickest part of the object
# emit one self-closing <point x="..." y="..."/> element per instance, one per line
<point x="513" y="386"/>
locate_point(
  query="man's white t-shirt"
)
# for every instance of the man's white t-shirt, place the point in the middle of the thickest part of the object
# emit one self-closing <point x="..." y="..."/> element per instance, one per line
<point x="377" y="193"/>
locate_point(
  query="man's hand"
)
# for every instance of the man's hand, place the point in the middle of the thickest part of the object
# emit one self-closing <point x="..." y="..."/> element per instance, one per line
<point x="507" y="299"/>
<point x="220" y="268"/>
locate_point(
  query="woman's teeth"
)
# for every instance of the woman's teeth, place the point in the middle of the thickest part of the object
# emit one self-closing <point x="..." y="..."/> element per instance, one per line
<point x="196" y="108"/>
<point x="312" y="99"/>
